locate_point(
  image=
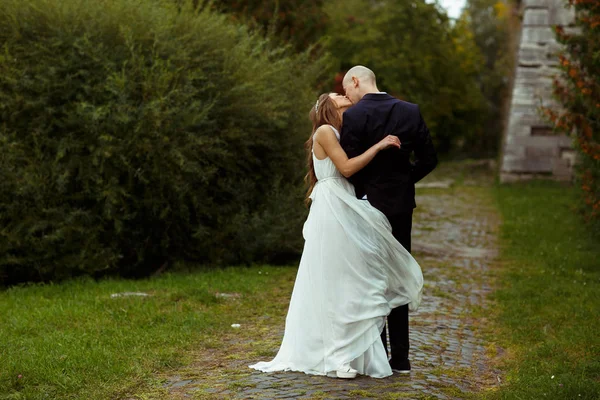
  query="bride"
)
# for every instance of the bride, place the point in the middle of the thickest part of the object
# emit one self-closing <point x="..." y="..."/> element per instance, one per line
<point x="352" y="272"/>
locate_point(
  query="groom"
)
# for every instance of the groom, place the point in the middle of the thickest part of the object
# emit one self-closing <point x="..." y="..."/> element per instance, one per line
<point x="388" y="182"/>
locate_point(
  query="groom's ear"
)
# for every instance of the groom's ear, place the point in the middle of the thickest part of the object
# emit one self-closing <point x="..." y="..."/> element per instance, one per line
<point x="355" y="81"/>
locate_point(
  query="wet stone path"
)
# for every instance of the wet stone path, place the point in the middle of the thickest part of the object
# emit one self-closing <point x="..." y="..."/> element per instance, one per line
<point x="454" y="240"/>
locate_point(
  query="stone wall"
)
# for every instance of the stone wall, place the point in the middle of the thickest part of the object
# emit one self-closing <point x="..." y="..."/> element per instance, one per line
<point x="530" y="147"/>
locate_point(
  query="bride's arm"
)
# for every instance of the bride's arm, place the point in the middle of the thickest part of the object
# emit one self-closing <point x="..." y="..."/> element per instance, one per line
<point x="325" y="138"/>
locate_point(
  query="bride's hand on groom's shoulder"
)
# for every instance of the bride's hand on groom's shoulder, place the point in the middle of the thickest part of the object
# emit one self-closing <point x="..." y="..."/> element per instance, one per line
<point x="389" y="141"/>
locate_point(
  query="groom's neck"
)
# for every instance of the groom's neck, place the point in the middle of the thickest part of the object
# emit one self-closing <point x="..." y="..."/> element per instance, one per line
<point x="371" y="90"/>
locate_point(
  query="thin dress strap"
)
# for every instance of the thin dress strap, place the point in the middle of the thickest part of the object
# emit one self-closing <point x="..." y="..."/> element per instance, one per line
<point x="337" y="134"/>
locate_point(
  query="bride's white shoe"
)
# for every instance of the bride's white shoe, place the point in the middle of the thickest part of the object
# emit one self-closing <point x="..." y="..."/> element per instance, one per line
<point x="346" y="372"/>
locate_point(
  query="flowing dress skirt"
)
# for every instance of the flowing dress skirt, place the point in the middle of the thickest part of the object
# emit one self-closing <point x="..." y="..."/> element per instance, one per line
<point x="352" y="273"/>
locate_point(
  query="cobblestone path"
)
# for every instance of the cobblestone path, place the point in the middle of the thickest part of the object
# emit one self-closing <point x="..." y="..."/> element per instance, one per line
<point x="454" y="238"/>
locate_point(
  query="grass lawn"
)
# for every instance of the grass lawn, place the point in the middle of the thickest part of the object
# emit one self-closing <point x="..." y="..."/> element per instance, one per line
<point x="549" y="298"/>
<point x="74" y="341"/>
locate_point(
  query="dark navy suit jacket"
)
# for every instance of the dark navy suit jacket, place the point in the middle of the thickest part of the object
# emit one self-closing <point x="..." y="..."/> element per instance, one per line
<point x="389" y="180"/>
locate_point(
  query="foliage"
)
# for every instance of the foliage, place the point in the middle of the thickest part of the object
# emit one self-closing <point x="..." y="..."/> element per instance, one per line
<point x="457" y="71"/>
<point x="299" y="22"/>
<point x="418" y="56"/>
<point x="547" y="309"/>
<point x="490" y="24"/>
<point x="578" y="91"/>
<point x="138" y="132"/>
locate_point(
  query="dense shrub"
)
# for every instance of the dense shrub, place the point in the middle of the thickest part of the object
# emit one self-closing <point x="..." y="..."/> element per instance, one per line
<point x="133" y="132"/>
<point x="578" y="91"/>
<point x="299" y="22"/>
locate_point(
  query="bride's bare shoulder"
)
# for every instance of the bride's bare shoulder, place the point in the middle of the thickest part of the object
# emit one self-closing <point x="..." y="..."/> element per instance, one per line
<point x="324" y="132"/>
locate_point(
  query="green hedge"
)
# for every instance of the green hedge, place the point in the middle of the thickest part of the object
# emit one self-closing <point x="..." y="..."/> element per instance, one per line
<point x="135" y="132"/>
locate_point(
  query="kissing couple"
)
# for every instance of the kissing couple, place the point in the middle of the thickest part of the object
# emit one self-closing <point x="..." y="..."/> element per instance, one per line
<point x="356" y="269"/>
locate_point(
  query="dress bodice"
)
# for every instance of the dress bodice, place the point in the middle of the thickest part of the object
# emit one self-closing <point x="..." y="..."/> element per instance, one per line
<point x="325" y="168"/>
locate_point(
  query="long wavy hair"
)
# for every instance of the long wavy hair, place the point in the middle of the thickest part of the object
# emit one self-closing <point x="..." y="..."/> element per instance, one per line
<point x="326" y="114"/>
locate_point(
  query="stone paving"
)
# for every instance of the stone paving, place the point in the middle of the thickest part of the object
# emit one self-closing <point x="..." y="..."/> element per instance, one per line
<point x="454" y="238"/>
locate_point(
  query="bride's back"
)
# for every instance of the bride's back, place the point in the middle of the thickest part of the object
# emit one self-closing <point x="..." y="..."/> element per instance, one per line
<point x="325" y="168"/>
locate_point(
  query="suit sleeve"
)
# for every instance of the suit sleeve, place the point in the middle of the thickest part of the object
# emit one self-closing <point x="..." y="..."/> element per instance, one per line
<point x="353" y="146"/>
<point x="425" y="155"/>
<point x="350" y="140"/>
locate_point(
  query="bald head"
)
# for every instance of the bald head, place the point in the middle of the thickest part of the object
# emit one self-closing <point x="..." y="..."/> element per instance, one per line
<point x="362" y="73"/>
<point x="358" y="81"/>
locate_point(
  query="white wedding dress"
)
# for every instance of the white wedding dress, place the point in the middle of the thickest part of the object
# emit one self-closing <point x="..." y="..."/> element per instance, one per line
<point x="352" y="273"/>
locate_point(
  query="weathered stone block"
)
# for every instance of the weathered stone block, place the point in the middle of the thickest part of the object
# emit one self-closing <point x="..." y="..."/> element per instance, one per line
<point x="512" y="163"/>
<point x="538" y="159"/>
<point x="537" y="35"/>
<point x="538" y="56"/>
<point x="513" y="152"/>
<point x="532" y="95"/>
<point x="533" y="75"/>
<point x="525" y="102"/>
<point x="531" y="56"/>
<point x="535" y="3"/>
<point x="515" y="131"/>
<point x="536" y="17"/>
<point x="517" y="110"/>
<point x="532" y="118"/>
<point x="562" y="170"/>
<point x="531" y="163"/>
<point x="547" y="145"/>
<point x="559" y="14"/>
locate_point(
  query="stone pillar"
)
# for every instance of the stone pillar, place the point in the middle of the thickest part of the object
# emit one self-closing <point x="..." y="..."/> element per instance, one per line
<point x="530" y="147"/>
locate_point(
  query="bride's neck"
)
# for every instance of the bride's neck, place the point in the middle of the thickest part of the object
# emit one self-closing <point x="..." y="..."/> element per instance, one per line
<point x="341" y="114"/>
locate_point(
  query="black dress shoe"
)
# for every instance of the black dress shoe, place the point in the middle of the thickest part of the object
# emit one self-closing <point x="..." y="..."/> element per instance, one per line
<point x="402" y="367"/>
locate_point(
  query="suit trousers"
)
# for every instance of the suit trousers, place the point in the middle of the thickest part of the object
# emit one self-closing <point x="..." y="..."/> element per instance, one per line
<point x="397" y="321"/>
